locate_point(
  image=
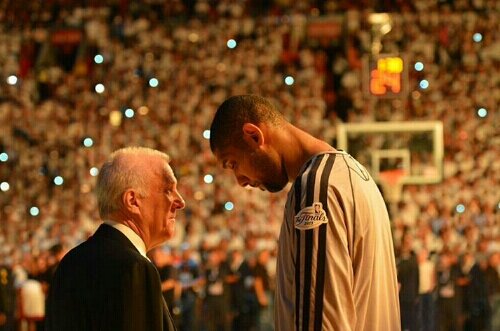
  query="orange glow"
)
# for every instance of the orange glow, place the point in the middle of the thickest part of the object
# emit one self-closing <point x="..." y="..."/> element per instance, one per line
<point x="386" y="76"/>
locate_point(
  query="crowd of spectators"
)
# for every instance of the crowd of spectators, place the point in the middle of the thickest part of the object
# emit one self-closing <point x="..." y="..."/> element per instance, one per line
<point x="165" y="66"/>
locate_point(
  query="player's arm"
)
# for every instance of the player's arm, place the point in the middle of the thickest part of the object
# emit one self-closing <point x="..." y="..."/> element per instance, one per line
<point x="323" y="260"/>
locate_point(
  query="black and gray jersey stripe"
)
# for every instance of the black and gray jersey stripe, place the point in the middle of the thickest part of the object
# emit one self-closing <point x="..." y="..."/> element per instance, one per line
<point x="309" y="187"/>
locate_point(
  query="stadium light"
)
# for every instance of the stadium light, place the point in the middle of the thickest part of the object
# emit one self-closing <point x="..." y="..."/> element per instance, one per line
<point x="4" y="186"/>
<point x="58" y="180"/>
<point x="419" y="66"/>
<point x="88" y="142"/>
<point x="229" y="206"/>
<point x="289" y="80"/>
<point x="482" y="112"/>
<point x="4" y="157"/>
<point x="153" y="82"/>
<point x="98" y="59"/>
<point x="99" y="88"/>
<point x="231" y="43"/>
<point x="94" y="171"/>
<point x="208" y="179"/>
<point x="12" y="80"/>
<point x="34" y="211"/>
<point x="129" y="113"/>
<point x="424" y="84"/>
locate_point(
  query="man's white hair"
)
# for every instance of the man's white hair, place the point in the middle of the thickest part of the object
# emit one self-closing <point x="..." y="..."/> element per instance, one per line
<point x="122" y="171"/>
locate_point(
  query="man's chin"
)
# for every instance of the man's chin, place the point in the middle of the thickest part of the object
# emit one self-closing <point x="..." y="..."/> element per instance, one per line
<point x="166" y="235"/>
<point x="168" y="230"/>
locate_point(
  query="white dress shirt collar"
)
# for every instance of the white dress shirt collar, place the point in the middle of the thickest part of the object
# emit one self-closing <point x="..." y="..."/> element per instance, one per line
<point x="131" y="235"/>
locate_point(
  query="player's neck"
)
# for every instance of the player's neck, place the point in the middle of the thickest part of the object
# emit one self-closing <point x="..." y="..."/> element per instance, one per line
<point x="304" y="147"/>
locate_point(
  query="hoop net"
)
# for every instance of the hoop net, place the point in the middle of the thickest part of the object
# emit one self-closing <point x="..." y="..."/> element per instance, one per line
<point x="392" y="184"/>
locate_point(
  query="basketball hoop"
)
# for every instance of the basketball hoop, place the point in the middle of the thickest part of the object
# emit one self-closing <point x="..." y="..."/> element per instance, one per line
<point x="392" y="184"/>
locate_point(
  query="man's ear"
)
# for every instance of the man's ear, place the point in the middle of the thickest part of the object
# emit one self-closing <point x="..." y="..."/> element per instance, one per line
<point x="253" y="135"/>
<point x="131" y="201"/>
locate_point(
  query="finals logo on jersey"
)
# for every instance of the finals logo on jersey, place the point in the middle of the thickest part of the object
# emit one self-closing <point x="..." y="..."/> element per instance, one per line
<point x="311" y="217"/>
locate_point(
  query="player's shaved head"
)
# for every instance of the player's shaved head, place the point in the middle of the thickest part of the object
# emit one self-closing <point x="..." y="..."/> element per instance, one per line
<point x="226" y="128"/>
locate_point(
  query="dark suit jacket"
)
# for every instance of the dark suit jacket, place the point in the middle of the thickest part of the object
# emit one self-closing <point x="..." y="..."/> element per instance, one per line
<point x="105" y="284"/>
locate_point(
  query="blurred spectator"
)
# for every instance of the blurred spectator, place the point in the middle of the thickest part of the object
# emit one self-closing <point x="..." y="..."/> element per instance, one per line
<point x="408" y="279"/>
<point x="426" y="291"/>
<point x="170" y="287"/>
<point x="57" y="252"/>
<point x="217" y="297"/>
<point x="7" y="299"/>
<point x="263" y="292"/>
<point x="448" y="303"/>
<point x="476" y="306"/>
<point x="32" y="304"/>
<point x="243" y="300"/>
<point x="492" y="275"/>
<point x="190" y="279"/>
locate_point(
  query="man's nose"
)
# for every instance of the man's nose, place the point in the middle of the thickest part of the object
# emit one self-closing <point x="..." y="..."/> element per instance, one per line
<point x="180" y="203"/>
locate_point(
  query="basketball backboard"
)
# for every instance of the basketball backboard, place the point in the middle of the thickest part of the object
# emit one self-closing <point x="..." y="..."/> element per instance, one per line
<point x="416" y="147"/>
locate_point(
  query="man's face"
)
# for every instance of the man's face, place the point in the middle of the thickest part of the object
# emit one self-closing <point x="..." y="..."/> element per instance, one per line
<point x="255" y="168"/>
<point x="161" y="203"/>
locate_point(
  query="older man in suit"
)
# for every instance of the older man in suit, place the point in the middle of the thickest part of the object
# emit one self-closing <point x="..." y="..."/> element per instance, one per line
<point x="108" y="282"/>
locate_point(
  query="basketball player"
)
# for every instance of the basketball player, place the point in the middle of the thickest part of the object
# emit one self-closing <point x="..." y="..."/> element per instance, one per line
<point x="336" y="267"/>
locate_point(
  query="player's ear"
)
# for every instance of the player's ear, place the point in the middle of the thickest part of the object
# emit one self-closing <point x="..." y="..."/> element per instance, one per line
<point x="253" y="135"/>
